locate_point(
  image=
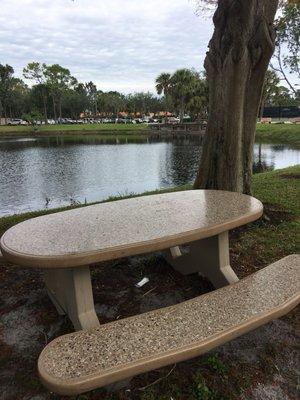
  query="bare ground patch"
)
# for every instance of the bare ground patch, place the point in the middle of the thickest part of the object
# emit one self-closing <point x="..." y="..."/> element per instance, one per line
<point x="261" y="365"/>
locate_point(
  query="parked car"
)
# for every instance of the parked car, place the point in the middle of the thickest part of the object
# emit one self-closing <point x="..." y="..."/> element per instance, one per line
<point x="121" y="120"/>
<point x="17" y="121"/>
<point x="173" y="120"/>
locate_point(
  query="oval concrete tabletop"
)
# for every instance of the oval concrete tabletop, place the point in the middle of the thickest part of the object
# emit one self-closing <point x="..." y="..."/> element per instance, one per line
<point x="126" y="227"/>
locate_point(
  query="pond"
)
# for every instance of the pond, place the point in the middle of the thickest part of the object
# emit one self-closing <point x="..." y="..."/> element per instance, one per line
<point x="49" y="172"/>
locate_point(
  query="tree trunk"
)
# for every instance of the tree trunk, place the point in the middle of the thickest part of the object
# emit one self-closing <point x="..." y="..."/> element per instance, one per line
<point x="45" y="108"/>
<point x="236" y="63"/>
<point x="262" y="108"/>
<point x="59" y="108"/>
<point x="54" y="107"/>
<point x="181" y="110"/>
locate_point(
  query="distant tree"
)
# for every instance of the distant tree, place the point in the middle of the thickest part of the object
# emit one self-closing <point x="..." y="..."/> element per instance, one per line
<point x="36" y="100"/>
<point x="269" y="89"/>
<point x="282" y="97"/>
<point x="6" y="76"/>
<point x="75" y="100"/>
<point x="91" y="90"/>
<point x="275" y="95"/>
<point x="163" y="83"/>
<point x="142" y="103"/>
<point x="287" y="52"/>
<point x="35" y="72"/>
<point x="185" y="90"/>
<point x="33" y="117"/>
<point x="183" y="85"/>
<point x="58" y="80"/>
<point x="111" y="103"/>
<point x="197" y="105"/>
<point x="18" y="98"/>
<point x="163" y="86"/>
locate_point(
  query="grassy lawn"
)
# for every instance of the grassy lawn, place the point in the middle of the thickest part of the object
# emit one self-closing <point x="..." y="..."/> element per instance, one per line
<point x="266" y="133"/>
<point x="67" y="129"/>
<point x="275" y="235"/>
<point x="257" y="366"/>
<point x="279" y="133"/>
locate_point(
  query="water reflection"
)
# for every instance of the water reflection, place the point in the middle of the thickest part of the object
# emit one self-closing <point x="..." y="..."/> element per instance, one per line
<point x="64" y="170"/>
<point x="259" y="162"/>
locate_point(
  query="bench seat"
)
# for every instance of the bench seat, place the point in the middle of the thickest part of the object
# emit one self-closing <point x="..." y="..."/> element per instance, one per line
<point x="85" y="360"/>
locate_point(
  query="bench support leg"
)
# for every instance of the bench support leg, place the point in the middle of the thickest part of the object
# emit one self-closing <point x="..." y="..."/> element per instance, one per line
<point x="70" y="290"/>
<point x="209" y="257"/>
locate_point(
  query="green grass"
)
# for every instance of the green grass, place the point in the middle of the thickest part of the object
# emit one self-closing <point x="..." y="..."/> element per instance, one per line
<point x="276" y="235"/>
<point x="280" y="187"/>
<point x="67" y="129"/>
<point x="278" y="133"/>
<point x="266" y="133"/>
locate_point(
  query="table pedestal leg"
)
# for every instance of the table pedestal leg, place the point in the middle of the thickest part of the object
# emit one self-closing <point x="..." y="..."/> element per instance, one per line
<point x="70" y="290"/>
<point x="209" y="257"/>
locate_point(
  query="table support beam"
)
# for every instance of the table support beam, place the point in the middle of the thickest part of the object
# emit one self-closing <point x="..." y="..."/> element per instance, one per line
<point x="70" y="290"/>
<point x="209" y="257"/>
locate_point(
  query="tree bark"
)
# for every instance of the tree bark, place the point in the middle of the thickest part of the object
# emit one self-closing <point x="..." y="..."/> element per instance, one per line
<point x="239" y="53"/>
<point x="45" y="107"/>
<point x="262" y="108"/>
<point x="59" y="107"/>
<point x="54" y="107"/>
<point x="181" y="110"/>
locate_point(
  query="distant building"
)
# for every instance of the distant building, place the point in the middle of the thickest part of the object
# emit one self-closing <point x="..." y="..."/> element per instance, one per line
<point x="281" y="112"/>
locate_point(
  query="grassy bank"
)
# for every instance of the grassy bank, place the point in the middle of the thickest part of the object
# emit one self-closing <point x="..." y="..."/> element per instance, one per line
<point x="277" y="189"/>
<point x="21" y="130"/>
<point x="279" y="133"/>
<point x="266" y="133"/>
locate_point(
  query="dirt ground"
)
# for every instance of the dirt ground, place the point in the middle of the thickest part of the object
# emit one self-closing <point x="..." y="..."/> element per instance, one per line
<point x="261" y="365"/>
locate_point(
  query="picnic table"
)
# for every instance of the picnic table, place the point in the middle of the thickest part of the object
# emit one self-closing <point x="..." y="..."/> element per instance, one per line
<point x="65" y="244"/>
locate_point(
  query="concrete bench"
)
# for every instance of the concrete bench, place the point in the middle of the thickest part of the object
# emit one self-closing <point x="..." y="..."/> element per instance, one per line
<point x="65" y="244"/>
<point x="85" y="360"/>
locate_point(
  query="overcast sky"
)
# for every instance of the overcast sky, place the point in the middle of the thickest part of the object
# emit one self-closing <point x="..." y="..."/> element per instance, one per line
<point x="118" y="44"/>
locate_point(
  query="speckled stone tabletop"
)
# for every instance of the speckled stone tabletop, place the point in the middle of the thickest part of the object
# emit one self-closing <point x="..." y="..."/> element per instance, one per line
<point x="126" y="227"/>
<point x="188" y="324"/>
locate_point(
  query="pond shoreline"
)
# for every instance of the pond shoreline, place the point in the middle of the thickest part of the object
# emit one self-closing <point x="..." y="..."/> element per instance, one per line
<point x="88" y="129"/>
<point x="63" y="170"/>
<point x="8" y="221"/>
<point x="267" y="133"/>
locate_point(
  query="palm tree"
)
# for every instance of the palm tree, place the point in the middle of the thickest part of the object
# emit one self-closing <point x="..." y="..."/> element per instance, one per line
<point x="183" y="85"/>
<point x="163" y="82"/>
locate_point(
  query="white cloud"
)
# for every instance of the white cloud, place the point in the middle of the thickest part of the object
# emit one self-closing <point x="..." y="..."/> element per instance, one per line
<point x="119" y="44"/>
